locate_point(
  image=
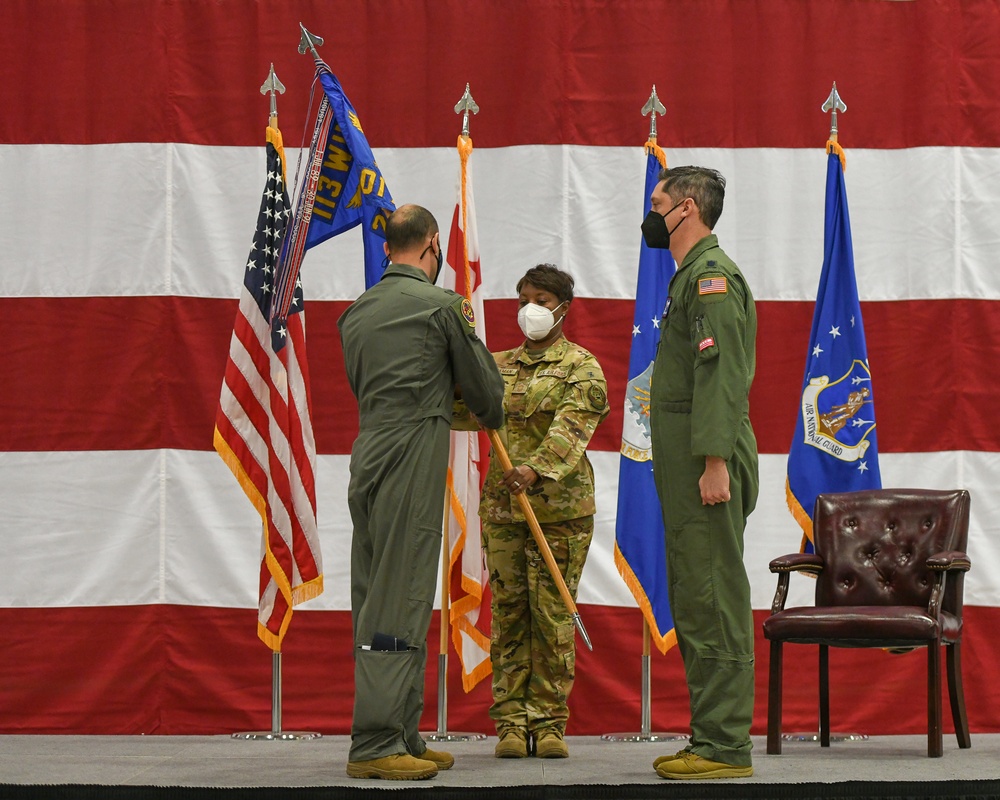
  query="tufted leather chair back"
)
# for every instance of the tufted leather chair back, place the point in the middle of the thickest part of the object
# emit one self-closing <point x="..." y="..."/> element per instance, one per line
<point x="875" y="545"/>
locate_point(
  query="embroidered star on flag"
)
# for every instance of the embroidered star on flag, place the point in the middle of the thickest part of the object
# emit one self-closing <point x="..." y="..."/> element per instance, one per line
<point x="712" y="286"/>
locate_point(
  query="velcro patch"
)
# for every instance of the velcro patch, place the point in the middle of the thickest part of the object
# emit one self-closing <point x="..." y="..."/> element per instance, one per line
<point x="597" y="397"/>
<point x="704" y="343"/>
<point x="712" y="285"/>
<point x="468" y="313"/>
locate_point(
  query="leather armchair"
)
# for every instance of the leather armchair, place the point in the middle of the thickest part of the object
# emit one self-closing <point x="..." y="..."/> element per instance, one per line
<point x="889" y="567"/>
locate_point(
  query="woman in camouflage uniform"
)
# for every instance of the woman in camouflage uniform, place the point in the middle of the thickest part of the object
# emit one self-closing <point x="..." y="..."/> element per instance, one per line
<point x="555" y="395"/>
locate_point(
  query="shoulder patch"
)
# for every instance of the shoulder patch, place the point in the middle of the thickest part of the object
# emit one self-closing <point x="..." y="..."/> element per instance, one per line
<point x="714" y="285"/>
<point x="597" y="397"/>
<point x="468" y="313"/>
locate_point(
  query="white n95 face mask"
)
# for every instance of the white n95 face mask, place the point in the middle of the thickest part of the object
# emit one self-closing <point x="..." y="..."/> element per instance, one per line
<point x="536" y="321"/>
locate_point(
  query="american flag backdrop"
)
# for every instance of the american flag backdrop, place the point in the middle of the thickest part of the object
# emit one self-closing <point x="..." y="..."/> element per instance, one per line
<point x="131" y="169"/>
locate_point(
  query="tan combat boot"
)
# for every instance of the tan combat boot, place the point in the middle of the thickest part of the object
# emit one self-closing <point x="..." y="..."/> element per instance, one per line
<point x="513" y="743"/>
<point x="665" y="759"/>
<point x="693" y="767"/>
<point x="549" y="743"/>
<point x="441" y="759"/>
<point x="398" y="767"/>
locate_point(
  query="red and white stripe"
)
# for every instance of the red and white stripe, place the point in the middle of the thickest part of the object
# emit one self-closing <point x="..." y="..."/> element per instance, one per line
<point x="132" y="557"/>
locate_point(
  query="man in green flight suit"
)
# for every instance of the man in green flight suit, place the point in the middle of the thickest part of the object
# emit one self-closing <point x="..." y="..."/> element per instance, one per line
<point x="705" y="469"/>
<point x="409" y="347"/>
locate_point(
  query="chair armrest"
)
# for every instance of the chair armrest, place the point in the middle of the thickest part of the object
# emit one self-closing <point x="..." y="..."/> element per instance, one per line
<point x="798" y="562"/>
<point x="785" y="566"/>
<point x="942" y="564"/>
<point x="950" y="560"/>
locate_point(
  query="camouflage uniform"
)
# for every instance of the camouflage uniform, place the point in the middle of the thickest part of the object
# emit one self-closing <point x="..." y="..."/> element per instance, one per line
<point x="554" y="402"/>
<point x="700" y="407"/>
<point x="406" y="345"/>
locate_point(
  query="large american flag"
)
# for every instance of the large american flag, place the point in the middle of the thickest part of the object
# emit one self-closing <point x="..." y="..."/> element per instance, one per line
<point x="262" y="427"/>
<point x="130" y="556"/>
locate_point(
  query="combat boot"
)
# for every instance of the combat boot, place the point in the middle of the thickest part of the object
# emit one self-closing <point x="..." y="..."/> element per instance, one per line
<point x="441" y="759"/>
<point x="694" y="767"/>
<point x="549" y="743"/>
<point x="665" y="759"/>
<point x="397" y="767"/>
<point x="513" y="743"/>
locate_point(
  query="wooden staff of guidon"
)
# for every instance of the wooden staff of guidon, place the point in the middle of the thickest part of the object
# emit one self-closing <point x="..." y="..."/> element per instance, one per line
<point x="543" y="545"/>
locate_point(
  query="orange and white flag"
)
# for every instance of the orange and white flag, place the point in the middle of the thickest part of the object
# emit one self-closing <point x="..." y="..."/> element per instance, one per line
<point x="469" y="615"/>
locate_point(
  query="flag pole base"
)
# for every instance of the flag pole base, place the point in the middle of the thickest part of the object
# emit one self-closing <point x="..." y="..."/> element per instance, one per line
<point x="446" y="736"/>
<point x="278" y="736"/>
<point x="644" y="737"/>
<point x="834" y="737"/>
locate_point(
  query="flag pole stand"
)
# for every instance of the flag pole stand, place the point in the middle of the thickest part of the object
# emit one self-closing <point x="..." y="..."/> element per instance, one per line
<point x="834" y="737"/>
<point x="645" y="734"/>
<point x="815" y="737"/>
<point x="442" y="734"/>
<point x="276" y="734"/>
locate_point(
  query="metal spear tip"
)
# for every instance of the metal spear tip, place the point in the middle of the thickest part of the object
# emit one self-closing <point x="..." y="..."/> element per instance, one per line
<point x="652" y="108"/>
<point x="272" y="84"/>
<point x="653" y="105"/>
<point x="466" y="103"/>
<point x="834" y="102"/>
<point x="578" y="621"/>
<point x="309" y="41"/>
<point x="464" y="106"/>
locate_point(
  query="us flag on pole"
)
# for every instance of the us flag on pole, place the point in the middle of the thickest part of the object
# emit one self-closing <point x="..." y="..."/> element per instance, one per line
<point x="262" y="427"/>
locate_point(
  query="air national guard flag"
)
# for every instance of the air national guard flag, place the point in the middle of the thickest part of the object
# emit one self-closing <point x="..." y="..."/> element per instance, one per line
<point x="263" y="429"/>
<point x="834" y="449"/>
<point x="347" y="188"/>
<point x="640" y="551"/>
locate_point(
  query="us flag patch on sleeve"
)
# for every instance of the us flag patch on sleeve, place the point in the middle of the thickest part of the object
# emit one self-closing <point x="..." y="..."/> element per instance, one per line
<point x="712" y="286"/>
<point x="705" y="343"/>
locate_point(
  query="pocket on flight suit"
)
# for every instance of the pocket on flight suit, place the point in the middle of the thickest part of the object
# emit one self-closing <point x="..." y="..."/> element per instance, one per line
<point x="383" y="678"/>
<point x="423" y="557"/>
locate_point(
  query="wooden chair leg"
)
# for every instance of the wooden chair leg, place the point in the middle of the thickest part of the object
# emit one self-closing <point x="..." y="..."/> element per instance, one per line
<point x="957" y="695"/>
<point x="935" y="744"/>
<point x="774" y="701"/>
<point x="824" y="695"/>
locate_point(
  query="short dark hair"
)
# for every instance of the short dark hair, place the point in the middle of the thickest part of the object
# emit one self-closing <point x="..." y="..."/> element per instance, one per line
<point x="408" y="226"/>
<point x="705" y="186"/>
<point x="550" y="278"/>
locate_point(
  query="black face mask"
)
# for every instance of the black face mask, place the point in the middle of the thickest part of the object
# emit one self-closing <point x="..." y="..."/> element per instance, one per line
<point x="439" y="256"/>
<point x="654" y="229"/>
<point x="440" y="260"/>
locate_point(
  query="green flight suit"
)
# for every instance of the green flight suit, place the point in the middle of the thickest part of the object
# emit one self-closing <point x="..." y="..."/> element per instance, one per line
<point x="407" y="344"/>
<point x="699" y="407"/>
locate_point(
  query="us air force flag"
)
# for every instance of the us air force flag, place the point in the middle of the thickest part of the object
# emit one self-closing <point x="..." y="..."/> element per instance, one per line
<point x="640" y="551"/>
<point x="834" y="448"/>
